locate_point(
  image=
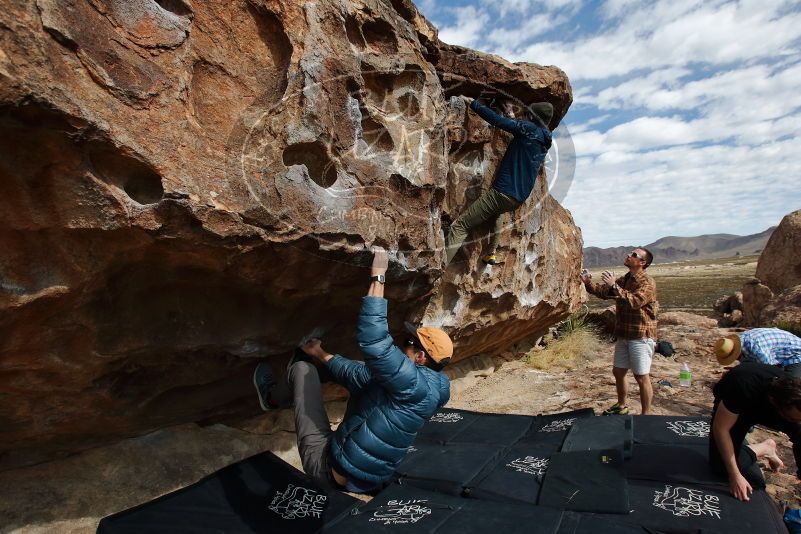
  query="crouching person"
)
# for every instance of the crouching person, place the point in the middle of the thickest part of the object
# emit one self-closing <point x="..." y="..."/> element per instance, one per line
<point x="393" y="393"/>
<point x="753" y="394"/>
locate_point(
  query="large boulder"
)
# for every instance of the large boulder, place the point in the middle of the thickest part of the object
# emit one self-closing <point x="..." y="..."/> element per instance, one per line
<point x="185" y="187"/>
<point x="756" y="296"/>
<point x="784" y="308"/>
<point x="779" y="265"/>
<point x="778" y="273"/>
<point x="728" y="304"/>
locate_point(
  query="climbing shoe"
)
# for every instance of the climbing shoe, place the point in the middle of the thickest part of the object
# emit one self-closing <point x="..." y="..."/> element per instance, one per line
<point x="264" y="380"/>
<point x="490" y="259"/>
<point x="616" y="409"/>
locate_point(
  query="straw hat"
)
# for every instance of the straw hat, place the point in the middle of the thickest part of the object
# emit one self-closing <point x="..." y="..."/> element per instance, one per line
<point x="727" y="349"/>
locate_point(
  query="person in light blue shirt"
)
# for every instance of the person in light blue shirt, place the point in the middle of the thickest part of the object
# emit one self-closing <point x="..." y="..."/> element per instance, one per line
<point x="514" y="178"/>
<point x="772" y="346"/>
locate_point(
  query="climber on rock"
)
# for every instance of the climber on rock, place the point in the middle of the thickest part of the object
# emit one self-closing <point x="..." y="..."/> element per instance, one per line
<point x="393" y="393"/>
<point x="515" y="176"/>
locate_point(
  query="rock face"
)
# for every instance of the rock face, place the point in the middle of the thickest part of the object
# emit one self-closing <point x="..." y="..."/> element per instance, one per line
<point x="785" y="308"/>
<point x="774" y="294"/>
<point x="779" y="265"/>
<point x="185" y="187"/>
<point x="729" y="309"/>
<point x="756" y="296"/>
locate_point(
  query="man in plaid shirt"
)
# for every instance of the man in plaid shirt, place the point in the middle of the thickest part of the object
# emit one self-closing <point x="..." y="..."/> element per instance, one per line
<point x="772" y="346"/>
<point x="635" y="326"/>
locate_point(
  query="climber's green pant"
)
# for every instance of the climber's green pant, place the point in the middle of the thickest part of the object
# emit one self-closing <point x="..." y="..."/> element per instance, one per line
<point x="488" y="207"/>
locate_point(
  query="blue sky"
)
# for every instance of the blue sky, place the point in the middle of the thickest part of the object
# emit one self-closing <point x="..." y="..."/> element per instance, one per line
<point x="686" y="116"/>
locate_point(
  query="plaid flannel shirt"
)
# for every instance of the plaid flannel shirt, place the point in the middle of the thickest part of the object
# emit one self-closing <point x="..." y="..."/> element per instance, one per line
<point x="772" y="346"/>
<point x="635" y="305"/>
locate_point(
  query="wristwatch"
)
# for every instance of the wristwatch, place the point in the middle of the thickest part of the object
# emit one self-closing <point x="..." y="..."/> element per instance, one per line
<point x="380" y="278"/>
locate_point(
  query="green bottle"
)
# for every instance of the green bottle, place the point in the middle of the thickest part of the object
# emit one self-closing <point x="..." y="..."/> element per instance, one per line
<point x="685" y="376"/>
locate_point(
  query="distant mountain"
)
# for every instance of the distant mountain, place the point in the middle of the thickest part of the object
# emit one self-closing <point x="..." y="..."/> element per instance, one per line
<point x="674" y="248"/>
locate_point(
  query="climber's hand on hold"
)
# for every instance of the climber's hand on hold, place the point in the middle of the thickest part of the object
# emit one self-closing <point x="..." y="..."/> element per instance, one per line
<point x="314" y="348"/>
<point x="377" y="272"/>
<point x="380" y="261"/>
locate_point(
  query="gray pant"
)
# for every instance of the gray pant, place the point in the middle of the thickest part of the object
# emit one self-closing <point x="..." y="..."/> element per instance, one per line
<point x="311" y="422"/>
<point x="488" y="207"/>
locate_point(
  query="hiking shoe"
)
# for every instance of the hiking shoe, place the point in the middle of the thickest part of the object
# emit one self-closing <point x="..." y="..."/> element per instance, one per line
<point x="490" y="259"/>
<point x="264" y="380"/>
<point x="616" y="409"/>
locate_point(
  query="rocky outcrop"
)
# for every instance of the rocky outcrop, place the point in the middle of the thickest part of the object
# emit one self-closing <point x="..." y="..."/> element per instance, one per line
<point x="729" y="309"/>
<point x="773" y="295"/>
<point x="779" y="265"/>
<point x="756" y="296"/>
<point x="185" y="187"/>
<point x="680" y="318"/>
<point x="785" y="308"/>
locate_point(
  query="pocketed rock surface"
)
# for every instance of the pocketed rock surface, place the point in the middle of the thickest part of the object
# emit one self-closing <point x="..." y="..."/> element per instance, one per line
<point x="188" y="186"/>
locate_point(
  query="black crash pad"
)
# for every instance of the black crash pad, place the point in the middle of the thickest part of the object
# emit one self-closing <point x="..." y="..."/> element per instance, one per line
<point x="447" y="468"/>
<point x="673" y="463"/>
<point x="446" y="423"/>
<point x="260" y="494"/>
<point x="500" y="429"/>
<point x="671" y="430"/>
<point x="692" y="508"/>
<point x="517" y="476"/>
<point x="586" y="481"/>
<point x="400" y="509"/>
<point x="551" y="430"/>
<point x="601" y="433"/>
<point x="585" y="523"/>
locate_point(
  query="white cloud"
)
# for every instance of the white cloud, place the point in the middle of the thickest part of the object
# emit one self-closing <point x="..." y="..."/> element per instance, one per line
<point x="684" y="190"/>
<point x="531" y="27"/>
<point x="470" y="22"/>
<point x="532" y="7"/>
<point x="674" y="34"/>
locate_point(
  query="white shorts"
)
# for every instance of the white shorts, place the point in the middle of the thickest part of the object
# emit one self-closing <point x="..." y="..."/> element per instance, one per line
<point x="635" y="354"/>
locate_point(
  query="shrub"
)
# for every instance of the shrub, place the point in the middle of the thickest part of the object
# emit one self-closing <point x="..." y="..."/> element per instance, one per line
<point x="577" y="342"/>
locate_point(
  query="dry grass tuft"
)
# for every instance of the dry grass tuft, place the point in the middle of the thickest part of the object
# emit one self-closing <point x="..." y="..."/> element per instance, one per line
<point x="578" y="343"/>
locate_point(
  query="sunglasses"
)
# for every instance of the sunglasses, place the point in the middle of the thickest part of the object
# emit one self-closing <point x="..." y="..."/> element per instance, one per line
<point x="634" y="254"/>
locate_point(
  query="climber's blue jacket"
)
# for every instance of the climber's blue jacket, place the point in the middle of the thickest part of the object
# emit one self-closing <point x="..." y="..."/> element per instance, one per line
<point x="526" y="151"/>
<point x="394" y="398"/>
